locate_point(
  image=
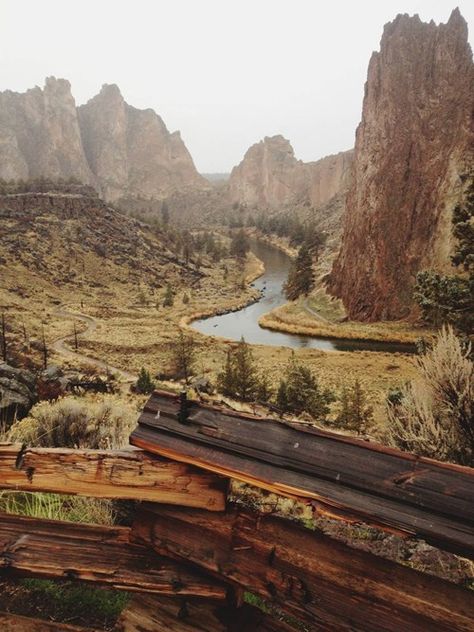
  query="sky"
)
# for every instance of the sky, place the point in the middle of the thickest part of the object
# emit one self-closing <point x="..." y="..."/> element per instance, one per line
<point x="225" y="73"/>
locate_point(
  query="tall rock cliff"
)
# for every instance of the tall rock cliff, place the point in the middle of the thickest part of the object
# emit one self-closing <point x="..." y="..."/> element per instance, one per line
<point x="270" y="176"/>
<point x="414" y="145"/>
<point x="124" y="152"/>
<point x="131" y="152"/>
<point x="39" y="134"/>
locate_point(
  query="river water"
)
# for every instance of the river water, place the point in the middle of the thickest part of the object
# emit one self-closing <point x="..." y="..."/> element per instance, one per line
<point x="245" y="321"/>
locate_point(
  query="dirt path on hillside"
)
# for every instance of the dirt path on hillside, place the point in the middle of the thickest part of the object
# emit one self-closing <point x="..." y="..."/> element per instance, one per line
<point x="316" y="314"/>
<point x="62" y="349"/>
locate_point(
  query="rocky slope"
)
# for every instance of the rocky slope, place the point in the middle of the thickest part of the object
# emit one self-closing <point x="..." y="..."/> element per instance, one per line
<point x="270" y="176"/>
<point x="131" y="152"/>
<point x="59" y="245"/>
<point x="414" y="147"/>
<point x="122" y="151"/>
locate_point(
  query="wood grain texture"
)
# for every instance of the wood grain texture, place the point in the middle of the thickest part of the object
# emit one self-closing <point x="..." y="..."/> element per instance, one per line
<point x="51" y="549"/>
<point x="15" y="623"/>
<point x="128" y="474"/>
<point x="342" y="476"/>
<point x="307" y="574"/>
<point x="150" y="613"/>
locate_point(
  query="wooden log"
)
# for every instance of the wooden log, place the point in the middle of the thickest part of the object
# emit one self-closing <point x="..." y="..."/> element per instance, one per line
<point x="127" y="474"/>
<point x="149" y="613"/>
<point x="306" y="573"/>
<point x="51" y="549"/>
<point x="15" y="623"/>
<point x="342" y="476"/>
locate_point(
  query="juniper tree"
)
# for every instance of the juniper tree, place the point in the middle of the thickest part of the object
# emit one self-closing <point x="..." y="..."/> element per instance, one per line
<point x="184" y="356"/>
<point x="169" y="296"/>
<point x="299" y="392"/>
<point x="240" y="245"/>
<point x="354" y="412"/>
<point x="239" y="377"/>
<point x="300" y="278"/>
<point x="144" y="382"/>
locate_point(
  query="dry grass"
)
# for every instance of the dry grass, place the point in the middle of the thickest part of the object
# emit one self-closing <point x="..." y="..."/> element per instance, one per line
<point x="435" y="413"/>
<point x="99" y="421"/>
<point x="295" y="319"/>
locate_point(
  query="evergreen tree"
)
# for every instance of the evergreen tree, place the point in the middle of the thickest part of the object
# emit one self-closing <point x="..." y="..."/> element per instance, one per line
<point x="354" y="413"/>
<point x="245" y="372"/>
<point x="144" y="383"/>
<point x="169" y="296"/>
<point x="450" y="299"/>
<point x="184" y="356"/>
<point x="299" y="391"/>
<point x="225" y="379"/>
<point x="264" y="388"/>
<point x="240" y="245"/>
<point x="300" y="278"/>
<point x="239" y="378"/>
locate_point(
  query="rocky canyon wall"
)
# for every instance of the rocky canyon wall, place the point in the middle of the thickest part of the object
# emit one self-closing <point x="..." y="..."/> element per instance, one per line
<point x="270" y="176"/>
<point x="122" y="151"/>
<point x="414" y="146"/>
<point x="131" y="152"/>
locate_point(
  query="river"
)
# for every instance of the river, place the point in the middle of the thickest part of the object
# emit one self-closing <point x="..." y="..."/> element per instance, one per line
<point x="244" y="322"/>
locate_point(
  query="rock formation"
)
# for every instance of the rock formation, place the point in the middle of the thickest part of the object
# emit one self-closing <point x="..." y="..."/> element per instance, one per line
<point x="270" y="176"/>
<point x="124" y="152"/>
<point x="414" y="146"/>
<point x="131" y="152"/>
<point x="39" y="134"/>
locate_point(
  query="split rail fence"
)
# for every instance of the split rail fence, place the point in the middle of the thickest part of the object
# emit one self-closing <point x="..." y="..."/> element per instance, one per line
<point x="191" y="556"/>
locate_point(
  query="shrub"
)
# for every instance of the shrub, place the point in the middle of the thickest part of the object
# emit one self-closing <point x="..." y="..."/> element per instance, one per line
<point x="434" y="415"/>
<point x="144" y="384"/>
<point x="73" y="422"/>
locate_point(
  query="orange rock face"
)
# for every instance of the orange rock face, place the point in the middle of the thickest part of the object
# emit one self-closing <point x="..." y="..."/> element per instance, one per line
<point x="414" y="146"/>
<point x="270" y="176"/>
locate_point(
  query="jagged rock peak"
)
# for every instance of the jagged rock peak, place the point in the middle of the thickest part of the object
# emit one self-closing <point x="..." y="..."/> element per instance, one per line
<point x="39" y="134"/>
<point x="271" y="176"/>
<point x="413" y="147"/>
<point x="122" y="151"/>
<point x="131" y="152"/>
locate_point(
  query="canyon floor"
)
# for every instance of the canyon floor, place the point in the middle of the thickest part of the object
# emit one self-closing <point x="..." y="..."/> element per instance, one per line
<point x="118" y="333"/>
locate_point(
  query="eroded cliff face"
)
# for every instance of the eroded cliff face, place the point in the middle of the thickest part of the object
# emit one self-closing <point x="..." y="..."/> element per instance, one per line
<point x="124" y="152"/>
<point x="271" y="177"/>
<point x="131" y="152"/>
<point x="39" y="134"/>
<point x="413" y="146"/>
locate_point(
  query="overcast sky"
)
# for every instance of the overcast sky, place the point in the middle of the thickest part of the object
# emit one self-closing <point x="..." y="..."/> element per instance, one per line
<point x="224" y="72"/>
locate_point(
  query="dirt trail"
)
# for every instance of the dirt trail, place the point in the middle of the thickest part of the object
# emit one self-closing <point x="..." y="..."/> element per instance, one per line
<point x="316" y="314"/>
<point x="60" y="347"/>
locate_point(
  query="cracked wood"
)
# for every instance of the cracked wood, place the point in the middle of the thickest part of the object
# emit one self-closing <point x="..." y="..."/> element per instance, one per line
<point x="341" y="476"/>
<point x="31" y="547"/>
<point x="128" y="474"/>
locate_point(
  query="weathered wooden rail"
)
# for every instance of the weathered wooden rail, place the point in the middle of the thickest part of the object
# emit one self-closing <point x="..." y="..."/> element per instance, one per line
<point x="345" y="477"/>
<point x="190" y="555"/>
<point x="127" y="474"/>
<point x="307" y="574"/>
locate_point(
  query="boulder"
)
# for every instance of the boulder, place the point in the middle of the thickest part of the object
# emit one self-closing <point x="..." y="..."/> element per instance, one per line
<point x="17" y="392"/>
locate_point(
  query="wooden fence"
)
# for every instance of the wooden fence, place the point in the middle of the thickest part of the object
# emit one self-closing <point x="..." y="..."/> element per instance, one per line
<point x="191" y="556"/>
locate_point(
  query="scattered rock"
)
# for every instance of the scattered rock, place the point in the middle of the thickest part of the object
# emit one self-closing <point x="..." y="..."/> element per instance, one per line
<point x="17" y="392"/>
